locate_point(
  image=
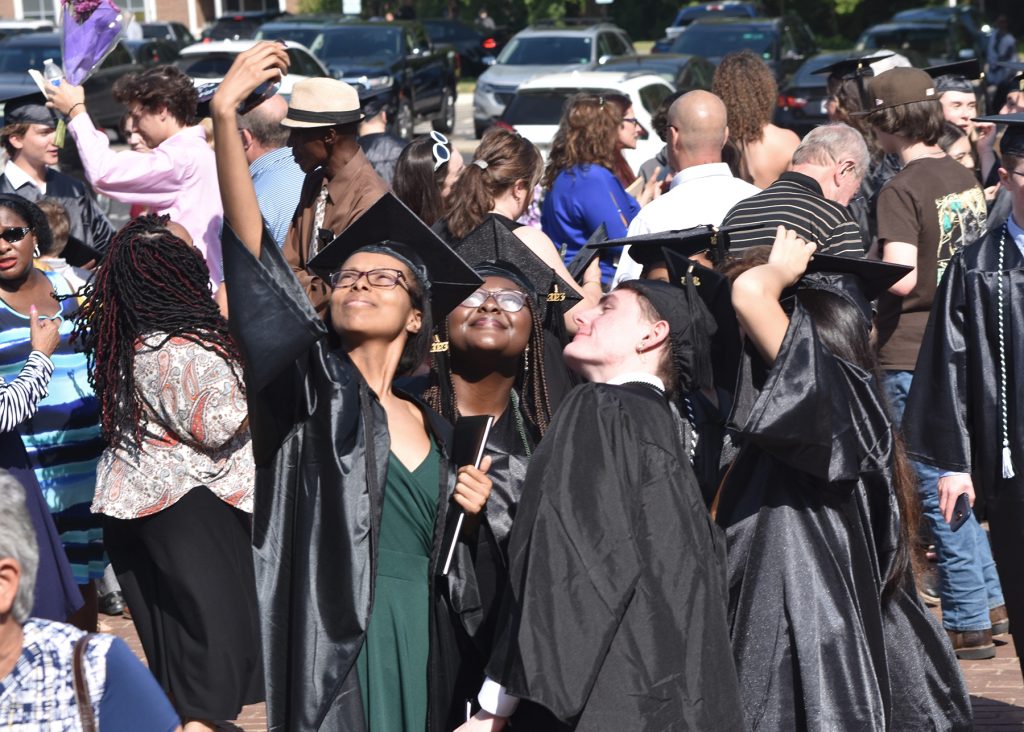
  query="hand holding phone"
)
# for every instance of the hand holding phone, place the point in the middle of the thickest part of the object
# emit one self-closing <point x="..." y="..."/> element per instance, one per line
<point x="961" y="512"/>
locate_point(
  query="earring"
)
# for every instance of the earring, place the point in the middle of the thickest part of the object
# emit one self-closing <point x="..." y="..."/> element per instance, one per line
<point x="36" y="253"/>
<point x="640" y="352"/>
<point x="526" y="359"/>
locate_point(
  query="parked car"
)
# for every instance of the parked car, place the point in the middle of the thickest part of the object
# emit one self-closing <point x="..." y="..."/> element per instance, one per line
<point x="152" y="52"/>
<point x="685" y="73"/>
<point x="925" y="44"/>
<point x="966" y="16"/>
<point x="802" y="102"/>
<point x="208" y="62"/>
<point x="26" y="51"/>
<point x="476" y="50"/>
<point x="239" y="26"/>
<point x="694" y="11"/>
<point x="175" y="33"/>
<point x="784" y="43"/>
<point x="15" y="27"/>
<point x="304" y="29"/>
<point x="538" y="50"/>
<point x="397" y="60"/>
<point x="536" y="108"/>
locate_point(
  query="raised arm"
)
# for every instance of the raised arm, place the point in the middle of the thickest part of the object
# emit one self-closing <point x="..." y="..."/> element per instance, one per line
<point x="19" y="398"/>
<point x="263" y="62"/>
<point x="539" y="243"/>
<point x="756" y="292"/>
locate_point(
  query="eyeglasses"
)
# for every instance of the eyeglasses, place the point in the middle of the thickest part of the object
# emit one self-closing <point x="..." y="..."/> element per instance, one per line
<point x="1012" y="172"/>
<point x="511" y="301"/>
<point x="442" y="154"/>
<point x="14" y="234"/>
<point x="632" y="120"/>
<point x="382" y="279"/>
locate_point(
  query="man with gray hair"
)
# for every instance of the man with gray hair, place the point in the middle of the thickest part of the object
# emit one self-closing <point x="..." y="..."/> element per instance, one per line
<point x="811" y="197"/>
<point x="276" y="176"/>
<point x="40" y="659"/>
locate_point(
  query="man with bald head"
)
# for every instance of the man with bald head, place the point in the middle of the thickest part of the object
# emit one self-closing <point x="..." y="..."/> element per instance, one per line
<point x="276" y="176"/>
<point x="704" y="189"/>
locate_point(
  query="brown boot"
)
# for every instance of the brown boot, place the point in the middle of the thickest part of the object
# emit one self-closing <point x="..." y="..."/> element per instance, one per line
<point x="972" y="645"/>
<point x="1000" y="620"/>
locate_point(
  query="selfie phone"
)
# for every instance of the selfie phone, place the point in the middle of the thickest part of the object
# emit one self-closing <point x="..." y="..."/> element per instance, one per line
<point x="961" y="512"/>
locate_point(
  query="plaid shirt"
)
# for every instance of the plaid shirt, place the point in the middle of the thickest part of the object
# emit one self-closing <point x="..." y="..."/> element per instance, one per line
<point x="39" y="693"/>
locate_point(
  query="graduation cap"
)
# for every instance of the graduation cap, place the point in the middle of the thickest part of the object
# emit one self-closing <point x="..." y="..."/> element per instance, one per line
<point x="389" y="227"/>
<point x="959" y="76"/>
<point x="579" y="263"/>
<point x="29" y="109"/>
<point x="1018" y="68"/>
<point x="855" y="66"/>
<point x="372" y="102"/>
<point x="492" y="242"/>
<point x="648" y="248"/>
<point x="1013" y="139"/>
<point x="859" y="281"/>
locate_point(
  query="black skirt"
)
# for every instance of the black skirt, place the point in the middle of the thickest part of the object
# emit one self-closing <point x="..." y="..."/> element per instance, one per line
<point x="187" y="576"/>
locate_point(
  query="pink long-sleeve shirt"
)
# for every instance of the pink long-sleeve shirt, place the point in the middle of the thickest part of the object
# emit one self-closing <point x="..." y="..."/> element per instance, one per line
<point x="178" y="177"/>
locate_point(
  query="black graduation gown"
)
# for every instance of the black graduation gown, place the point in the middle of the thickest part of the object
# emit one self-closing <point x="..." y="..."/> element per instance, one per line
<point x="812" y="526"/>
<point x="618" y="620"/>
<point x="89" y="227"/>
<point x="952" y="418"/>
<point x="321" y="446"/>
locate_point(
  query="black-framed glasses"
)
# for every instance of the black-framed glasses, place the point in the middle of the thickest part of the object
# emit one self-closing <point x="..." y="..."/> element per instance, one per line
<point x="382" y="278"/>
<point x="14" y="234"/>
<point x="632" y="120"/>
<point x="1012" y="172"/>
<point x="442" y="154"/>
<point x="511" y="301"/>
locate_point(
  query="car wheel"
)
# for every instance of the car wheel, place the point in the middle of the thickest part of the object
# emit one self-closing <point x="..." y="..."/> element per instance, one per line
<point x="403" y="124"/>
<point x="445" y="121"/>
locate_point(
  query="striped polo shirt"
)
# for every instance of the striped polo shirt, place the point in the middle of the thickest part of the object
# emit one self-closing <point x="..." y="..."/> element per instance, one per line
<point x="795" y="201"/>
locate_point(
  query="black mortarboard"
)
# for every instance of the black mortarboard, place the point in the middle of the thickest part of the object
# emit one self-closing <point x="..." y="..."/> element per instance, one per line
<point x="683" y="271"/>
<point x="959" y="76"/>
<point x="579" y="263"/>
<point x="390" y="227"/>
<point x="372" y="102"/>
<point x="647" y="249"/>
<point x="859" y="281"/>
<point x="1018" y="68"/>
<point x="493" y="242"/>
<point x="850" y="68"/>
<point x="30" y="109"/>
<point x="1013" y="139"/>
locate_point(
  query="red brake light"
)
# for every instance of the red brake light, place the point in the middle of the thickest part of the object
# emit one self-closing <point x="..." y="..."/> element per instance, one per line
<point x="788" y="102"/>
<point x="489" y="44"/>
<point x="238" y="17"/>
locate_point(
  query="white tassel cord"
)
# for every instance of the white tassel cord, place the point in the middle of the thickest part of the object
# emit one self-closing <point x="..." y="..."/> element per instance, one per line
<point x="1003" y="407"/>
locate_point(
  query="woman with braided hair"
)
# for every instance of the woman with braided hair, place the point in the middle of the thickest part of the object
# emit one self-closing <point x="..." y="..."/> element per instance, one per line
<point x="175" y="486"/>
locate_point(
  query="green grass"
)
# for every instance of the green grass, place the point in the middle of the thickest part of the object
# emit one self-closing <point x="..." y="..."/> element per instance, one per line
<point x="643" y="46"/>
<point x="467" y="84"/>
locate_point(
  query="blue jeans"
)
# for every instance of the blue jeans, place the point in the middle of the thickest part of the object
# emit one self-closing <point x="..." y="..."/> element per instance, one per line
<point x="968" y="584"/>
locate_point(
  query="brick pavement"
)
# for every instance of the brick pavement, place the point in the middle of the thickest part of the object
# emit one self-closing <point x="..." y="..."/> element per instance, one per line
<point x="997" y="690"/>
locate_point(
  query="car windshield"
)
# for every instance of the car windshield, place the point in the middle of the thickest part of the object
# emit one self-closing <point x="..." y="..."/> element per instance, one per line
<point x="155" y="31"/>
<point x="805" y="75"/>
<point x="536" y="108"/>
<point x="306" y="36"/>
<point x="18" y="59"/>
<point x="232" y="29"/>
<point x="688" y="15"/>
<point x="205" y="65"/>
<point x="441" y="32"/>
<point x="546" y="51"/>
<point x="715" y="41"/>
<point x="358" y="42"/>
<point x="930" y="41"/>
<point x="665" y="69"/>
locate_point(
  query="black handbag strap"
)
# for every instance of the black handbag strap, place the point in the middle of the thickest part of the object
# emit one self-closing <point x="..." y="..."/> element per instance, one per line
<point x="82" y="700"/>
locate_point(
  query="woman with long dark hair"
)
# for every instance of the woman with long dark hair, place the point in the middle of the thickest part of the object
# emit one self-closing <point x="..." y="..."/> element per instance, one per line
<point x="425" y="174"/>
<point x="819" y="507"/>
<point x="354" y="478"/>
<point x="175" y="482"/>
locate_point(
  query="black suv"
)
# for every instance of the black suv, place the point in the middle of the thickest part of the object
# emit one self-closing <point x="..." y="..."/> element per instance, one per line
<point x="925" y="44"/>
<point x="784" y="43"/>
<point x="695" y="11"/>
<point x="239" y="26"/>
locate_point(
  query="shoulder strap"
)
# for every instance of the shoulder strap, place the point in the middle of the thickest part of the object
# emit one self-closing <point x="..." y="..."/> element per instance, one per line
<point x="82" y="700"/>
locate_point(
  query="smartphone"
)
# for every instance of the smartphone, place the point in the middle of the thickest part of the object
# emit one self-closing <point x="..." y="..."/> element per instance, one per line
<point x="961" y="512"/>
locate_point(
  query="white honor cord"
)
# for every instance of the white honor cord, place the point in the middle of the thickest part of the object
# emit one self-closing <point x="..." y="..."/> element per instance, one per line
<point x="1007" y="457"/>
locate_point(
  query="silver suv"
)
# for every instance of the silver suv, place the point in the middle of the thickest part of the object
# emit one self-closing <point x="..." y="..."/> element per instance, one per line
<point x="542" y="49"/>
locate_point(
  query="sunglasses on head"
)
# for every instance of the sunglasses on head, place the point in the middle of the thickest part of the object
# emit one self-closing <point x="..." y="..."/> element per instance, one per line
<point x="440" y="150"/>
<point x="14" y="234"/>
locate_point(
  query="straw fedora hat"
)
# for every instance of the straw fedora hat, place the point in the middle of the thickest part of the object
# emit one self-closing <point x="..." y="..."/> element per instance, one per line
<point x="322" y="102"/>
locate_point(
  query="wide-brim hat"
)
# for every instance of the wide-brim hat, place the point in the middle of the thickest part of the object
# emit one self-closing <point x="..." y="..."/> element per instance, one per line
<point x="322" y="102"/>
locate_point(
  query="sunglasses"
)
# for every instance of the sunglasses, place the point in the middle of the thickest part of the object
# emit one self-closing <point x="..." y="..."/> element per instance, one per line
<point x="632" y="120"/>
<point x="511" y="301"/>
<point x="440" y="150"/>
<point x="14" y="234"/>
<point x="383" y="279"/>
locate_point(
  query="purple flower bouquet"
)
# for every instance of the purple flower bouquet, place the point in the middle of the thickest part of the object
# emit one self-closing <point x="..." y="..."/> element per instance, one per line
<point x="89" y="31"/>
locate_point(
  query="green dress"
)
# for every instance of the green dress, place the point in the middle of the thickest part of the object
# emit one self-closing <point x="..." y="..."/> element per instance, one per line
<point x="392" y="663"/>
